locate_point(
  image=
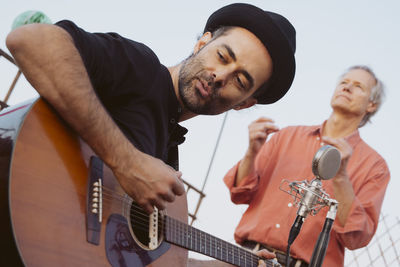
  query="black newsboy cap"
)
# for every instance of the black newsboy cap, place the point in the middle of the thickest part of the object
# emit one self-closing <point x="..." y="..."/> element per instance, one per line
<point x="275" y="32"/>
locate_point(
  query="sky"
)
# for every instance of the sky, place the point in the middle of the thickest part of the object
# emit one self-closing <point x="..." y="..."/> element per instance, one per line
<point x="331" y="36"/>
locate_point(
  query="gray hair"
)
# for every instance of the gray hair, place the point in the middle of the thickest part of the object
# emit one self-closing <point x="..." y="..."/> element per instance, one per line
<point x="377" y="92"/>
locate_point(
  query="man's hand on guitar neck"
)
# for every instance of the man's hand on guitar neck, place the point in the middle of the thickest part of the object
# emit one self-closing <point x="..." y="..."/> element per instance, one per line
<point x="265" y="254"/>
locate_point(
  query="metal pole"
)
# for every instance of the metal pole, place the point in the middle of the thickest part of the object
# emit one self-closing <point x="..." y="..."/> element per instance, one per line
<point x="12" y="86"/>
<point x="7" y="56"/>
<point x="215" y="150"/>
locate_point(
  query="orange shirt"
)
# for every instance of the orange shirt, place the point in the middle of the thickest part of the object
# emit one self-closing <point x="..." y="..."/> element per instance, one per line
<point x="270" y="214"/>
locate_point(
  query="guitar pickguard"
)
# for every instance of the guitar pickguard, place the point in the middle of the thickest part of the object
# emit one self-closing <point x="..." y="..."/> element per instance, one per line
<point x="121" y="248"/>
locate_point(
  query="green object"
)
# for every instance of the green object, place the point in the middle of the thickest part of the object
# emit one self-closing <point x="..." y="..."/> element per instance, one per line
<point x="28" y="17"/>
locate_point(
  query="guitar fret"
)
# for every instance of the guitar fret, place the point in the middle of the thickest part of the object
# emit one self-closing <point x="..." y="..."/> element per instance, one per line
<point x="233" y="255"/>
<point x="226" y="256"/>
<point x="203" y="243"/>
<point x="182" y="236"/>
<point x="173" y="233"/>
<point x="191" y="238"/>
<point x="195" y="240"/>
<point x="196" y="233"/>
<point x="216" y="248"/>
<point x="185" y="237"/>
<point x="206" y="245"/>
<point x="237" y="256"/>
<point x="220" y="249"/>
<point x="215" y="245"/>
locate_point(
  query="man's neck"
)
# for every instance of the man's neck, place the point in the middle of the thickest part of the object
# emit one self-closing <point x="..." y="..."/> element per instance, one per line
<point x="174" y="72"/>
<point x="339" y="125"/>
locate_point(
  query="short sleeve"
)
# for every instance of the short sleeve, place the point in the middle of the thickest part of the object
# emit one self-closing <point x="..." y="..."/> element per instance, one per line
<point x="113" y="62"/>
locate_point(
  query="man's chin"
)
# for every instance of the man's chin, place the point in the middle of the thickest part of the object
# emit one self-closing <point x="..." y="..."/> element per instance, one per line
<point x="199" y="106"/>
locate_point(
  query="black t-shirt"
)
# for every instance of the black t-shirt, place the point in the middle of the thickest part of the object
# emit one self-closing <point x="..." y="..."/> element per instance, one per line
<point x="135" y="89"/>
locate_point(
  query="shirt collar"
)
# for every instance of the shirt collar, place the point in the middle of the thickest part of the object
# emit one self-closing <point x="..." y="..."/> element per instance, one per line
<point x="353" y="139"/>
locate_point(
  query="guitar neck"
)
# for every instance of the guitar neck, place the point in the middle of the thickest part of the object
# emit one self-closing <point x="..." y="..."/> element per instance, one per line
<point x="186" y="236"/>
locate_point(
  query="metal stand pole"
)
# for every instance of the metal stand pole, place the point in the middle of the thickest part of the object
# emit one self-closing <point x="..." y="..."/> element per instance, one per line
<point x="322" y="244"/>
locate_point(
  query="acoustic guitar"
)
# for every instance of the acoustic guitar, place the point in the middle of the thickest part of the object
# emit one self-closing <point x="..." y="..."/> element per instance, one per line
<point x="61" y="206"/>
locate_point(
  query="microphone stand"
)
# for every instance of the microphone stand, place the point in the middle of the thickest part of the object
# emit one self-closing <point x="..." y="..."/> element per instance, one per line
<point x="319" y="252"/>
<point x="310" y="197"/>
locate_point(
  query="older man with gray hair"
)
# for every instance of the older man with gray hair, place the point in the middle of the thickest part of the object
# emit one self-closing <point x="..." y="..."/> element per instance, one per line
<point x="359" y="186"/>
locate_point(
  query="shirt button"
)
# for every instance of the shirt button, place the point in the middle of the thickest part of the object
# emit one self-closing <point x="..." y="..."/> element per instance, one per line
<point x="318" y="138"/>
<point x="277" y="225"/>
<point x="322" y="143"/>
<point x="290" y="204"/>
<point x="172" y="121"/>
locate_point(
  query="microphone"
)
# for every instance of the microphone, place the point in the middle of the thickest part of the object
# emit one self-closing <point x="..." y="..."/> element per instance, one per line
<point x="310" y="197"/>
<point x="325" y="165"/>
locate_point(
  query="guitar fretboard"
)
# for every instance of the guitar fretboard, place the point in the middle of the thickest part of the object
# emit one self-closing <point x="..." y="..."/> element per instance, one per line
<point x="188" y="237"/>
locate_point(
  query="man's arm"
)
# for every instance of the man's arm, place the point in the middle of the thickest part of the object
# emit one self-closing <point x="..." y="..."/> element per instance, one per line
<point x="342" y="187"/>
<point x="258" y="133"/>
<point x="47" y="56"/>
<point x="242" y="180"/>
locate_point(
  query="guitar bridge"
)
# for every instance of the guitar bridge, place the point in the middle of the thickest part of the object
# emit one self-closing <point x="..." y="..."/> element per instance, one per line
<point x="94" y="201"/>
<point x="97" y="199"/>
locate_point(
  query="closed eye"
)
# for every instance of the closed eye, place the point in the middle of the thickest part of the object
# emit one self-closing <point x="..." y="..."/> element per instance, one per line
<point x="221" y="57"/>
<point x="358" y="85"/>
<point x="240" y="82"/>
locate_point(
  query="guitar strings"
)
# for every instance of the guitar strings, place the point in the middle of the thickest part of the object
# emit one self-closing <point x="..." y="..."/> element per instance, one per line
<point x="140" y="217"/>
<point x="240" y="255"/>
<point x="144" y="223"/>
<point x="141" y="222"/>
<point x="140" y="214"/>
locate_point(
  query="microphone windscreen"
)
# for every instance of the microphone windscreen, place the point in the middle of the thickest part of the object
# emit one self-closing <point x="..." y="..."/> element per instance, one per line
<point x="326" y="162"/>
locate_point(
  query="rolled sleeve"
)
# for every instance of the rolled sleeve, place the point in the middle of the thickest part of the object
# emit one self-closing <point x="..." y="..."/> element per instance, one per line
<point x="243" y="192"/>
<point x="363" y="218"/>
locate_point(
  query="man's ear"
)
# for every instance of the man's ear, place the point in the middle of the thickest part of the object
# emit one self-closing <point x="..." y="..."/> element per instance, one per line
<point x="251" y="101"/>
<point x="371" y="107"/>
<point x="207" y="36"/>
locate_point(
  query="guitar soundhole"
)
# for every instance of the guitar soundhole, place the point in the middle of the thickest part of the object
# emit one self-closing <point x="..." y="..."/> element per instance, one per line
<point x="140" y="225"/>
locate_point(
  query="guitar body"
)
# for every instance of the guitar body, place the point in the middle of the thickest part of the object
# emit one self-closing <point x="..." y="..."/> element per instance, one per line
<point x="45" y="187"/>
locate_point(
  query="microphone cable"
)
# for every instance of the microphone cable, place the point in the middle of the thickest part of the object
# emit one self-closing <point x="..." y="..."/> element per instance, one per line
<point x="294" y="231"/>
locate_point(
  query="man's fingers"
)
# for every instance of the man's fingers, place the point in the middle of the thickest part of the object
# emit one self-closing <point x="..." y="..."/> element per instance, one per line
<point x="148" y="208"/>
<point x="264" y="119"/>
<point x="170" y="197"/>
<point x="159" y="203"/>
<point x="341" y="144"/>
<point x="262" y="263"/>
<point x="178" y="187"/>
<point x="264" y="126"/>
<point x="330" y="141"/>
<point x="270" y="128"/>
<point x="266" y="254"/>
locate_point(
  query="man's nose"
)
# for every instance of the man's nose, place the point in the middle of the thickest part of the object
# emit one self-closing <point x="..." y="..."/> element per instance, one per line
<point x="348" y="87"/>
<point x="221" y="77"/>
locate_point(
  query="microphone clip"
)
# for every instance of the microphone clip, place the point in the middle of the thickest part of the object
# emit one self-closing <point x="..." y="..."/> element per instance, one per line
<point x="308" y="196"/>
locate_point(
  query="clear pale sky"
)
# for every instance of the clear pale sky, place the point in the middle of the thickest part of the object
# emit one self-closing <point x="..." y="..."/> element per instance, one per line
<point x="331" y="36"/>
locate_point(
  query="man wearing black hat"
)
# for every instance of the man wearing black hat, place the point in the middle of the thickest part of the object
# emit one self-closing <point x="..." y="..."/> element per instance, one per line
<point x="126" y="105"/>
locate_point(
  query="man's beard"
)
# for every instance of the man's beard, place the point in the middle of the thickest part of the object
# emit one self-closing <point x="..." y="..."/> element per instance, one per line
<point x="193" y="69"/>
